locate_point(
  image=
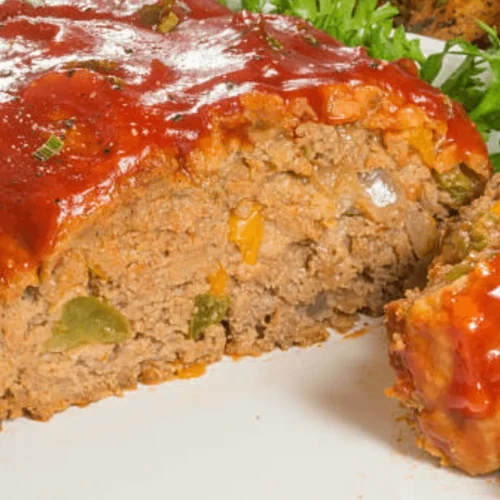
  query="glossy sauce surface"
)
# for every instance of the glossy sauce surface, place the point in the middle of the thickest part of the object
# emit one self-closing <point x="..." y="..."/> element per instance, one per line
<point x="117" y="92"/>
<point x="474" y="324"/>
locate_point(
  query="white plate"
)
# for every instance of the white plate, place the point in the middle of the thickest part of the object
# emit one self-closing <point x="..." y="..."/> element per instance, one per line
<point x="305" y="424"/>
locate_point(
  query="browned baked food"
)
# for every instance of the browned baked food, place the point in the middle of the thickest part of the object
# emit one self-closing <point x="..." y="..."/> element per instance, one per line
<point x="448" y="19"/>
<point x="179" y="182"/>
<point x="445" y="343"/>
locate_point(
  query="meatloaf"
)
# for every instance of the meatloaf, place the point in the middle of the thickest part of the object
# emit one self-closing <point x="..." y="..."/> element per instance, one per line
<point x="179" y="182"/>
<point x="447" y="19"/>
<point x="446" y="343"/>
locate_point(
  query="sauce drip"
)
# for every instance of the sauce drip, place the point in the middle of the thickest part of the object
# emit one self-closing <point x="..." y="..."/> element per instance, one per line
<point x="117" y="91"/>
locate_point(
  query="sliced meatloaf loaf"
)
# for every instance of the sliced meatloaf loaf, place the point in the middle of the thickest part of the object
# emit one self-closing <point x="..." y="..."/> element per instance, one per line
<point x="179" y="182"/>
<point x="448" y="19"/>
<point x="446" y="343"/>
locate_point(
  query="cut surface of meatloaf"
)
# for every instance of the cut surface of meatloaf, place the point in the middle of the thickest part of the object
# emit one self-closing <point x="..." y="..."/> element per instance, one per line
<point x="446" y="342"/>
<point x="179" y="182"/>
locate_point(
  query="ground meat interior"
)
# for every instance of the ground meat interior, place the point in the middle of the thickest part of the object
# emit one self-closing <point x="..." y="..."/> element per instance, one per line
<point x="285" y="237"/>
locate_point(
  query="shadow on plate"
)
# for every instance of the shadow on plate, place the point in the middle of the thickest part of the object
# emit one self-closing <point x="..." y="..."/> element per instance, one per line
<point x="358" y="400"/>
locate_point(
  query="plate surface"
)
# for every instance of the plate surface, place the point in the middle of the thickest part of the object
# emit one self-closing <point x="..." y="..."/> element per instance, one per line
<point x="305" y="424"/>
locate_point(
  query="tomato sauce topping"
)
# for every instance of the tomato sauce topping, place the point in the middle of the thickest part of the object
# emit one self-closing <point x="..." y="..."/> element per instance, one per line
<point x="473" y="319"/>
<point x="115" y="89"/>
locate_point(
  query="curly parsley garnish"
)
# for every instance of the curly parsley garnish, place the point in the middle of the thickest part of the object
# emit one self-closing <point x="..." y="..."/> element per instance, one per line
<point x="470" y="84"/>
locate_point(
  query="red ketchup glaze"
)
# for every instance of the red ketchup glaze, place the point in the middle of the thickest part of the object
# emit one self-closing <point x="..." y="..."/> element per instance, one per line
<point x="170" y="85"/>
<point x="473" y="319"/>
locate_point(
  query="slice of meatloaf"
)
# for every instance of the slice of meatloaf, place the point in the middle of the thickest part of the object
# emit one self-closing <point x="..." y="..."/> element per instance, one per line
<point x="446" y="343"/>
<point x="448" y="19"/>
<point x="179" y="182"/>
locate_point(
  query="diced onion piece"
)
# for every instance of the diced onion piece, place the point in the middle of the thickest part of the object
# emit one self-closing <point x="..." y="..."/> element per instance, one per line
<point x="422" y="231"/>
<point x="379" y="187"/>
<point x="378" y="196"/>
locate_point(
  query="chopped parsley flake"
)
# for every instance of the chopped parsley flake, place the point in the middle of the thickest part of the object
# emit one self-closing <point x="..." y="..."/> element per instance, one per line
<point x="51" y="148"/>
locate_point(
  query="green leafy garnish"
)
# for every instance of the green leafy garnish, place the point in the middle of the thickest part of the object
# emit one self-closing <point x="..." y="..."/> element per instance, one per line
<point x="254" y="5"/>
<point x="468" y="84"/>
<point x="51" y="148"/>
<point x="208" y="310"/>
<point x="87" y="320"/>
<point x="495" y="161"/>
<point x="364" y="23"/>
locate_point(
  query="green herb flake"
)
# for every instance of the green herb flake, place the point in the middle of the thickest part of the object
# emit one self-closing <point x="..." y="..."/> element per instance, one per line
<point x="311" y="39"/>
<point x="51" y="148"/>
<point x="208" y="310"/>
<point x="274" y="43"/>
